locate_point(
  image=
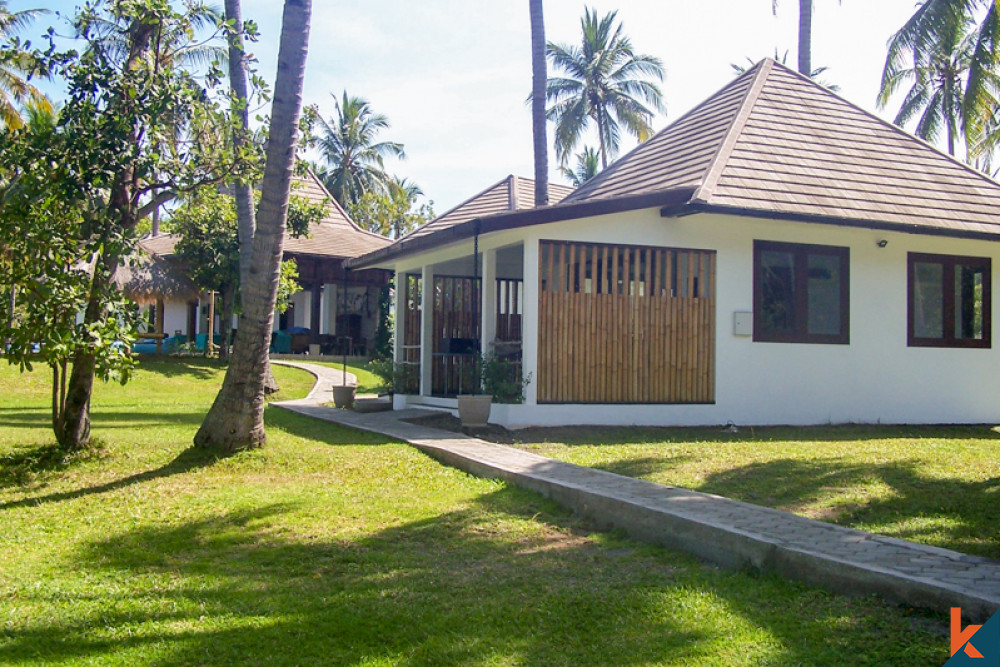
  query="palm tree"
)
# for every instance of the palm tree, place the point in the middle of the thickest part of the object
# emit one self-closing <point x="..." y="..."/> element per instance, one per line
<point x="587" y="166"/>
<point x="937" y="83"/>
<point x="538" y="79"/>
<point x="15" y="89"/>
<point x="805" y="34"/>
<point x="348" y="145"/>
<point x="783" y="59"/>
<point x="606" y="82"/>
<point x="933" y="24"/>
<point x="236" y="419"/>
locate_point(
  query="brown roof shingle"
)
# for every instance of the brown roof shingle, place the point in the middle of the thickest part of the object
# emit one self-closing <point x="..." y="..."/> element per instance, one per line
<point x="335" y="235"/>
<point x="771" y="143"/>
<point x="511" y="194"/>
<point x="781" y="144"/>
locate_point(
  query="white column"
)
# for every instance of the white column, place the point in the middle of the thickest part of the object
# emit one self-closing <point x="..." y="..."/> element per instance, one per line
<point x="324" y="310"/>
<point x="426" y="328"/>
<point x="399" y="317"/>
<point x="529" y="321"/>
<point x="488" y="301"/>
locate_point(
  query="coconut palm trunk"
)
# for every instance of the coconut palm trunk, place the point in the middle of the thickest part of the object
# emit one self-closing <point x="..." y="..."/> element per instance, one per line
<point x="236" y="419"/>
<point x="539" y="76"/>
<point x="805" y="37"/>
<point x="238" y="82"/>
<point x="242" y="190"/>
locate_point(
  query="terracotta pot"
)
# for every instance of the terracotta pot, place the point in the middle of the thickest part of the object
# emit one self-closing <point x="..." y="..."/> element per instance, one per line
<point x="474" y="409"/>
<point x="343" y="397"/>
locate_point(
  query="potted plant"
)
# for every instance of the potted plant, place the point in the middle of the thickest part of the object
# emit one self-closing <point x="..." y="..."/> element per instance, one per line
<point x="343" y="396"/>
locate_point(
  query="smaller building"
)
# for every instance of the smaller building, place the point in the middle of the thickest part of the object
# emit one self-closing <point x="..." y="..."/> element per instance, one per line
<point x="336" y="311"/>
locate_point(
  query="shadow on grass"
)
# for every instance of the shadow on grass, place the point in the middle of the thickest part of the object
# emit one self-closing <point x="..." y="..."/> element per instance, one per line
<point x="600" y="435"/>
<point x="646" y="466"/>
<point x="101" y="418"/>
<point x="189" y="459"/>
<point x="959" y="515"/>
<point x="193" y="367"/>
<point x="451" y="589"/>
<point x="321" y="431"/>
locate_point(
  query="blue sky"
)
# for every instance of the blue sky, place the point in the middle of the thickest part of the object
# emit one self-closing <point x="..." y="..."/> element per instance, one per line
<point x="452" y="75"/>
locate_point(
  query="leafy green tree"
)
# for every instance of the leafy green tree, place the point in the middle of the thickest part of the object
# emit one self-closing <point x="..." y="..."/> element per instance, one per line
<point x="392" y="213"/>
<point x="588" y="165"/>
<point x="937" y="84"/>
<point x="347" y="144"/>
<point x="236" y="419"/>
<point x="604" y="81"/>
<point x="15" y="64"/>
<point x="84" y="187"/>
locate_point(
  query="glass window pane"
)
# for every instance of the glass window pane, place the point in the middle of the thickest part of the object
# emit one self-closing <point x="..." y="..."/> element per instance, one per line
<point x="777" y="279"/>
<point x="928" y="300"/>
<point x="824" y="295"/>
<point x="969" y="302"/>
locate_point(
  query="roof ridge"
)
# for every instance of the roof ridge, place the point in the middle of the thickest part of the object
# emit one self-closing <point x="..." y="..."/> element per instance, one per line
<point x="604" y="174"/>
<point x="728" y="143"/>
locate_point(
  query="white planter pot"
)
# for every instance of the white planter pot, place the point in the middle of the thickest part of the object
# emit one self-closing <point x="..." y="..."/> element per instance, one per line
<point x="343" y="397"/>
<point x="474" y="409"/>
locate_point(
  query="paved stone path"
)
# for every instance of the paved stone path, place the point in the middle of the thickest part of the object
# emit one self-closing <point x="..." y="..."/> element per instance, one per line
<point x="723" y="531"/>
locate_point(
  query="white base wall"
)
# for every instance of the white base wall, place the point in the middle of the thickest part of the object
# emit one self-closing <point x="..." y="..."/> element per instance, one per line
<point x="876" y="378"/>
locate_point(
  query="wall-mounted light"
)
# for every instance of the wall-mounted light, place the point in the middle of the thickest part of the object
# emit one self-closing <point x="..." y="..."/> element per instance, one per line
<point x="881" y="243"/>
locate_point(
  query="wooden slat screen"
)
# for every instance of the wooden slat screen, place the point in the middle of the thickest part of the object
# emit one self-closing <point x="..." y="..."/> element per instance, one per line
<point x="509" y="295"/>
<point x="411" y="320"/>
<point x="625" y="324"/>
<point x="456" y="334"/>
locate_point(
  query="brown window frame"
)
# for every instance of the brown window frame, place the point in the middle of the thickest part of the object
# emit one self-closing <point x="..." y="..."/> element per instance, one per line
<point x="801" y="252"/>
<point x="948" y="263"/>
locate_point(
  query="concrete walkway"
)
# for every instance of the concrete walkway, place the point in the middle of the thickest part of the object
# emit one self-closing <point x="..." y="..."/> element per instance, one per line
<point x="720" y="530"/>
<point x="326" y="379"/>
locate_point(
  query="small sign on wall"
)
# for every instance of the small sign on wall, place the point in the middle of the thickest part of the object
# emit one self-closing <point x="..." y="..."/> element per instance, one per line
<point x="742" y="324"/>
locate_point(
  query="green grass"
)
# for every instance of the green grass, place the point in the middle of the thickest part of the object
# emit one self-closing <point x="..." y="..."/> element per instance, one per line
<point x="332" y="546"/>
<point x="935" y="485"/>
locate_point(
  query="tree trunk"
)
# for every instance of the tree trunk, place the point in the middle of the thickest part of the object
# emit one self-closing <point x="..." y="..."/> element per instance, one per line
<point x="805" y="37"/>
<point x="228" y="296"/>
<point x="600" y="139"/>
<point x="539" y="76"/>
<point x="72" y="424"/>
<point x="236" y="419"/>
<point x="243" y="191"/>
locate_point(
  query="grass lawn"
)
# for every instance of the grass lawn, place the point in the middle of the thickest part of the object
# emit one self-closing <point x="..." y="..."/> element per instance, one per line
<point x="332" y="546"/>
<point x="936" y="485"/>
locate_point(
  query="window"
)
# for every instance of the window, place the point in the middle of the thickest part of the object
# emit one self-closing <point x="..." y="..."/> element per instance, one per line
<point x="948" y="301"/>
<point x="800" y="293"/>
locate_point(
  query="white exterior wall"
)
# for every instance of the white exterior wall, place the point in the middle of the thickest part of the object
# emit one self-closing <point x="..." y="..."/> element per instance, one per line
<point x="175" y="317"/>
<point x="876" y="378"/>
